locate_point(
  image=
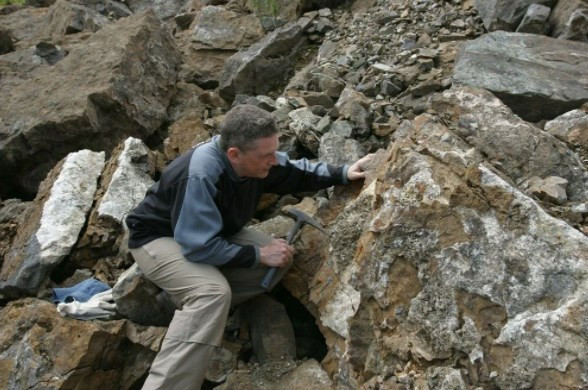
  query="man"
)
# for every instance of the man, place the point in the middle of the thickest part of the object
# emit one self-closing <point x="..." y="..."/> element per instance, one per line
<point x="188" y="235"/>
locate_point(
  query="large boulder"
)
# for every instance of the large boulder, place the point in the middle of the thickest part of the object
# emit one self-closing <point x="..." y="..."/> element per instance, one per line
<point x="260" y="68"/>
<point x="505" y="14"/>
<point x="41" y="349"/>
<point x="537" y="77"/>
<point x="53" y="224"/>
<point x="118" y="84"/>
<point x="519" y="149"/>
<point x="569" y="20"/>
<point x="440" y="259"/>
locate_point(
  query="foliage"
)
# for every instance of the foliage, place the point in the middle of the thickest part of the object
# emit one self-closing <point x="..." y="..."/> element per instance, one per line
<point x="266" y="7"/>
<point x="8" y="2"/>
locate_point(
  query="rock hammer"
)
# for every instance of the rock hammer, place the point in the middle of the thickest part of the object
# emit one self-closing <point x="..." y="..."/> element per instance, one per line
<point x="301" y="219"/>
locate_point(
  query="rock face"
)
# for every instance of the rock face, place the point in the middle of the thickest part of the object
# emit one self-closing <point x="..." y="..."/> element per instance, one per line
<point x="257" y="70"/>
<point x="537" y="77"/>
<point x="439" y="258"/>
<point x="40" y="349"/>
<point x="506" y="14"/>
<point x="52" y="225"/>
<point x="518" y="148"/>
<point x="118" y="84"/>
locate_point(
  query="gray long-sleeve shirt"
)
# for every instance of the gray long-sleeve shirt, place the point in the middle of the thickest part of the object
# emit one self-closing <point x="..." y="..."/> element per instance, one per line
<point x="200" y="200"/>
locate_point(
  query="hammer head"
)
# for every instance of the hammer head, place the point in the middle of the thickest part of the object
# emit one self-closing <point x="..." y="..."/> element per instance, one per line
<point x="302" y="218"/>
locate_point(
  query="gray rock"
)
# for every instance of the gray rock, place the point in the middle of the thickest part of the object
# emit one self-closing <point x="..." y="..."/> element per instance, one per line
<point x="69" y="18"/>
<point x="535" y="20"/>
<point x="303" y="125"/>
<point x="390" y="88"/>
<point x="308" y="375"/>
<point x="329" y="85"/>
<point x="445" y="378"/>
<point x="506" y="14"/>
<point x="337" y="150"/>
<point x="257" y="70"/>
<point x="537" y="77"/>
<point x="571" y="127"/>
<point x="551" y="189"/>
<point x="218" y="28"/>
<point x="53" y="224"/>
<point x="568" y="20"/>
<point x="141" y="301"/>
<point x="90" y="99"/>
<point x="164" y="9"/>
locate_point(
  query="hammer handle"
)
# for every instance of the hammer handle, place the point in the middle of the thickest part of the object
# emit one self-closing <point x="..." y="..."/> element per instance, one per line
<point x="269" y="276"/>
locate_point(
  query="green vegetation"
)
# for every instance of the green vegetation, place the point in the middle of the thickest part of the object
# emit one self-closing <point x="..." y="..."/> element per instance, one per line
<point x="266" y="8"/>
<point x="8" y="2"/>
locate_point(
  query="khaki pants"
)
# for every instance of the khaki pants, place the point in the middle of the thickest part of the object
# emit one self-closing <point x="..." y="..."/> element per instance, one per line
<point x="204" y="293"/>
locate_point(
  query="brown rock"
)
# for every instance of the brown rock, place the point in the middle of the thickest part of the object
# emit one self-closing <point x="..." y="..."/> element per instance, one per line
<point x="185" y="134"/>
<point x="37" y="346"/>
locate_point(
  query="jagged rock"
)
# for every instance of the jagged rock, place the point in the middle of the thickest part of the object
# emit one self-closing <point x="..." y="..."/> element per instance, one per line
<point x="69" y="18"/>
<point x="516" y="68"/>
<point x="262" y="377"/>
<point x="352" y="105"/>
<point x="519" y="149"/>
<point x="218" y="28"/>
<point x="117" y="9"/>
<point x="93" y="98"/>
<point x="571" y="127"/>
<point x="163" y="9"/>
<point x="257" y="70"/>
<point x="506" y="14"/>
<point x="141" y="301"/>
<point x="41" y="349"/>
<point x="552" y="189"/>
<point x="53" y="223"/>
<point x="535" y="20"/>
<point x="6" y="44"/>
<point x="123" y="184"/>
<point x="271" y="332"/>
<point x="337" y="149"/>
<point x="445" y="378"/>
<point x="440" y="254"/>
<point x="569" y="20"/>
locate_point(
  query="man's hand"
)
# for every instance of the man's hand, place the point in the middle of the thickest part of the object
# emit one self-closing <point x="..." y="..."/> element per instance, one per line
<point x="276" y="254"/>
<point x="356" y="171"/>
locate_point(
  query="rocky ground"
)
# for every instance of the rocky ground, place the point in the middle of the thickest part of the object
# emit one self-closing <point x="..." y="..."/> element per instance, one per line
<point x="460" y="263"/>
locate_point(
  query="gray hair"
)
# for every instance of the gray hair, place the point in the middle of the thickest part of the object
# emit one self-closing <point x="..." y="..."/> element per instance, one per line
<point x="243" y="125"/>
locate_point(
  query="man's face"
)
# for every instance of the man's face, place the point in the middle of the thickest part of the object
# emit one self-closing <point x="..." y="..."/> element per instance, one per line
<point x="257" y="161"/>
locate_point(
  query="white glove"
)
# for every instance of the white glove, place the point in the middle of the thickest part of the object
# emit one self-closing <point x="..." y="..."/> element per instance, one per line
<point x="100" y="306"/>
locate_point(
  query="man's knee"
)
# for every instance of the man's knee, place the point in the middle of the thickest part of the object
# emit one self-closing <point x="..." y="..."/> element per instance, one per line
<point x="216" y="292"/>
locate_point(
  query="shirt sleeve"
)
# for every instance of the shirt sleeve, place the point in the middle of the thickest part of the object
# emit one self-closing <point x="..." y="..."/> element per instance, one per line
<point x="197" y="225"/>
<point x="290" y="176"/>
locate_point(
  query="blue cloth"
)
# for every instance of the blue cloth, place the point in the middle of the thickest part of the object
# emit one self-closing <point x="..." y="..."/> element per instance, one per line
<point x="81" y="292"/>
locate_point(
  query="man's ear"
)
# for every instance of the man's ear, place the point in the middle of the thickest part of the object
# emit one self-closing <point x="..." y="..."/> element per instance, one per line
<point x="233" y="153"/>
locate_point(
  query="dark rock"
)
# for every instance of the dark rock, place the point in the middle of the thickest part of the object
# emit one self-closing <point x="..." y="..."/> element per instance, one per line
<point x="535" y="20"/>
<point x="272" y="334"/>
<point x="184" y="20"/>
<point x="537" y="77"/>
<point x="6" y="44"/>
<point x="260" y="68"/>
<point x="93" y="91"/>
<point x="69" y="18"/>
<point x="49" y="52"/>
<point x="141" y="301"/>
<point x="569" y="21"/>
